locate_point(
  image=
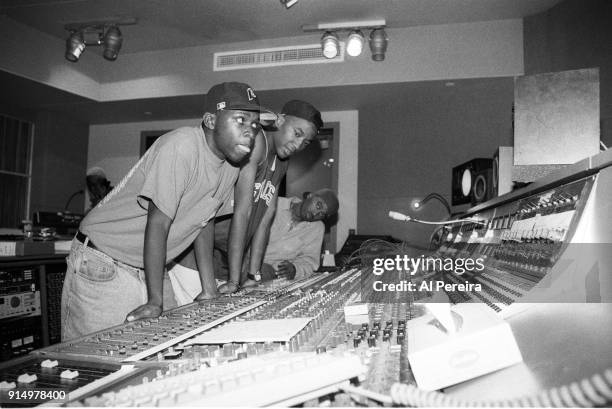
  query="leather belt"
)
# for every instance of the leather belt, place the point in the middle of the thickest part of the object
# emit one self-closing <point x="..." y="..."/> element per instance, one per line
<point x="82" y="237"/>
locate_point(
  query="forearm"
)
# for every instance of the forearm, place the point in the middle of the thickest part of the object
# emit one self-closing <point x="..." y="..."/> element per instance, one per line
<point x="243" y="197"/>
<point x="258" y="245"/>
<point x="203" y="249"/>
<point x="154" y="261"/>
<point x="236" y="245"/>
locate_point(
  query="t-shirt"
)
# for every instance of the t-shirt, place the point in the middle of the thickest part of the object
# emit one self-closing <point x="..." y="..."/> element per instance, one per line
<point x="267" y="180"/>
<point x="269" y="174"/>
<point x="184" y="179"/>
<point x="298" y="242"/>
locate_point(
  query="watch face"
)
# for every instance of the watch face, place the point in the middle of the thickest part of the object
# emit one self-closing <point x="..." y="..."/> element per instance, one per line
<point x="466" y="182"/>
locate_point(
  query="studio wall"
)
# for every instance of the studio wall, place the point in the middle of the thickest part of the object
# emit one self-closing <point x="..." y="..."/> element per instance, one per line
<point x="572" y="35"/>
<point x="408" y="147"/>
<point x="59" y="162"/>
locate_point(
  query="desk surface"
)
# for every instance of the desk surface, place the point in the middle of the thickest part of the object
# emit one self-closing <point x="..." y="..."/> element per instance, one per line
<point x="36" y="258"/>
<point x="560" y="344"/>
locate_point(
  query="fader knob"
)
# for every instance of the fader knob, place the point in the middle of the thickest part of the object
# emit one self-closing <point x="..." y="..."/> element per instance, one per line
<point x="372" y="341"/>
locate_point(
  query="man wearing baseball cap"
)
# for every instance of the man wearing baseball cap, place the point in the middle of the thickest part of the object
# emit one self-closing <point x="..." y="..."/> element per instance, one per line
<point x="164" y="204"/>
<point x="256" y="195"/>
<point x="296" y="127"/>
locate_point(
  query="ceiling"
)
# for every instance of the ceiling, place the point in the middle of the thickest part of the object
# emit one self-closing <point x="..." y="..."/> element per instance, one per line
<point x="166" y="24"/>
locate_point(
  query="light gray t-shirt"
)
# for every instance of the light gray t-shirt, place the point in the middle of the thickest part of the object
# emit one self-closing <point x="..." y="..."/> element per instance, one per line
<point x="184" y="179"/>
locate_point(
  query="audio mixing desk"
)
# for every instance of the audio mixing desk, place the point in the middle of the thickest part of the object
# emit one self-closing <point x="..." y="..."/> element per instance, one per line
<point x="547" y="272"/>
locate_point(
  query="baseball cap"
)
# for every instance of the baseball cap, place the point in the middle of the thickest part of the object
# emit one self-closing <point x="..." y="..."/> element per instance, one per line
<point x="304" y="110"/>
<point x="231" y="95"/>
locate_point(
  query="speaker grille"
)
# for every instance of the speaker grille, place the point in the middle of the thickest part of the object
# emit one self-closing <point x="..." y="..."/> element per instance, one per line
<point x="481" y="189"/>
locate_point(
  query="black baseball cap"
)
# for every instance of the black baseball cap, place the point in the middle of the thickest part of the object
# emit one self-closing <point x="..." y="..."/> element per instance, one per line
<point x="304" y="110"/>
<point x="232" y="95"/>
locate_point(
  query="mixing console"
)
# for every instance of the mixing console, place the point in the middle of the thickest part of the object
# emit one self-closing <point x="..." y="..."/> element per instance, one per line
<point x="61" y="374"/>
<point x="275" y="379"/>
<point x="519" y="244"/>
<point x="147" y="337"/>
<point x="165" y="362"/>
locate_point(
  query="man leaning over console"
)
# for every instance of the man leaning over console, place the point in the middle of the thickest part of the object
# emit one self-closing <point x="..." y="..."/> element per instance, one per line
<point x="165" y="203"/>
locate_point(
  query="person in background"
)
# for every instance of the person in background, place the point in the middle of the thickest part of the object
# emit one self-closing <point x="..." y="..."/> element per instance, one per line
<point x="97" y="185"/>
<point x="165" y="203"/>
<point x="294" y="249"/>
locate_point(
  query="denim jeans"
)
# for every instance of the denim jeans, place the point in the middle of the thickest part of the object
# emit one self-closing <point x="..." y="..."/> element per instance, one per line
<point x="99" y="291"/>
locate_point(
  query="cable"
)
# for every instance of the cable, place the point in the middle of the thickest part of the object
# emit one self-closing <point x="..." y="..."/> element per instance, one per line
<point x="588" y="392"/>
<point x="436" y="238"/>
<point x="379" y="397"/>
<point x="79" y="192"/>
<point x="373" y="247"/>
<point x="404" y="218"/>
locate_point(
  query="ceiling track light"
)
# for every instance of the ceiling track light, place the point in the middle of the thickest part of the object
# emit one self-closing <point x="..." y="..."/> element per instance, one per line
<point x="104" y="33"/>
<point x="378" y="44"/>
<point x="330" y="45"/>
<point x="75" y="45"/>
<point x="354" y="43"/>
<point x="112" y="43"/>
<point x="378" y="39"/>
<point x="288" y="3"/>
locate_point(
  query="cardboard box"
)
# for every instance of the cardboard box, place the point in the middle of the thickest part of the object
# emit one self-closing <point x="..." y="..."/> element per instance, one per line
<point x="483" y="344"/>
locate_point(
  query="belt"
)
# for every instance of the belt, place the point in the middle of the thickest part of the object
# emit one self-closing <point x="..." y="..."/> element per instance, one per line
<point x="82" y="238"/>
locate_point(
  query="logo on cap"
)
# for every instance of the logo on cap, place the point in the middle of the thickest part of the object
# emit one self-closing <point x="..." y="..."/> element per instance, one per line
<point x="220" y="106"/>
<point x="251" y="94"/>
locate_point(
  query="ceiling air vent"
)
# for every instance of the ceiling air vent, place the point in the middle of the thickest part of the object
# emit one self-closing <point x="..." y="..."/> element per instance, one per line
<point x="273" y="57"/>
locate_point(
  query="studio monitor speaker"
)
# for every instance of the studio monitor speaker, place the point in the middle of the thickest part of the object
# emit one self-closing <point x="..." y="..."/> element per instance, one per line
<point x="503" y="160"/>
<point x="472" y="182"/>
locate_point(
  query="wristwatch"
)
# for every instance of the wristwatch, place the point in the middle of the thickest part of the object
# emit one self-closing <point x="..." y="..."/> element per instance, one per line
<point x="255" y="277"/>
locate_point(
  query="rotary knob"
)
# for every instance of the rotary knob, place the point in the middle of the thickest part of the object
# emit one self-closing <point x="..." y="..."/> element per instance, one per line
<point x="15" y="301"/>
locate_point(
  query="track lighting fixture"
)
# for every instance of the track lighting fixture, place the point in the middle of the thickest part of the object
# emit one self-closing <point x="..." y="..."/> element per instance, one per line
<point x="112" y="43"/>
<point x="354" y="44"/>
<point x="330" y="43"/>
<point x="104" y="33"/>
<point x="75" y="44"/>
<point x="378" y="44"/>
<point x="288" y="3"/>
